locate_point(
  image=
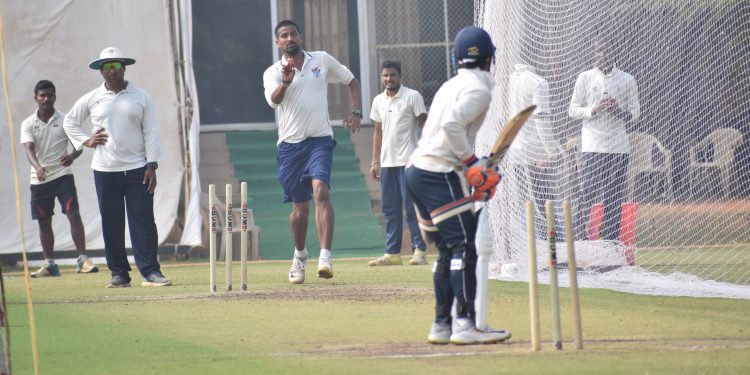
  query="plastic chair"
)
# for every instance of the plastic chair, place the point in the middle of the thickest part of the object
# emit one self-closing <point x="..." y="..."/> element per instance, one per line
<point x="642" y="161"/>
<point x="723" y="142"/>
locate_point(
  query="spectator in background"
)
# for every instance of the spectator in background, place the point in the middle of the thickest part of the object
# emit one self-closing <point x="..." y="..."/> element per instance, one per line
<point x="46" y="146"/>
<point x="398" y="113"/>
<point x="606" y="99"/>
<point x="125" y="140"/>
<point x="535" y="153"/>
<point x="297" y="88"/>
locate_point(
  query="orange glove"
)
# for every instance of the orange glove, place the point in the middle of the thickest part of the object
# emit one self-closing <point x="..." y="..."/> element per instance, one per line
<point x="484" y="195"/>
<point x="478" y="175"/>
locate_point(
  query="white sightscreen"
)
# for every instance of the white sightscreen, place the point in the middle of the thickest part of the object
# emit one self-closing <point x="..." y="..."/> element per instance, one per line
<point x="55" y="40"/>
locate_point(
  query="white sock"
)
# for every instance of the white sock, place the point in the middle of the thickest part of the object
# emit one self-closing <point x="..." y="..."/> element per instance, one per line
<point x="49" y="261"/>
<point x="82" y="257"/>
<point x="300" y="254"/>
<point x="325" y="253"/>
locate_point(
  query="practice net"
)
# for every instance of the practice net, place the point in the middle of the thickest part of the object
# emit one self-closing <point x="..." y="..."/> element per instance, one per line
<point x="683" y="190"/>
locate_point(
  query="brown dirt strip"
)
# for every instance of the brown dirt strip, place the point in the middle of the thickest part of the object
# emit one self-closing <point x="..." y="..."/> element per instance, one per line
<point x="426" y="350"/>
<point x="321" y="293"/>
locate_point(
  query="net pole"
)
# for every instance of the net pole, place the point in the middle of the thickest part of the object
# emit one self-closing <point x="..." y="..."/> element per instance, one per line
<point x="19" y="217"/>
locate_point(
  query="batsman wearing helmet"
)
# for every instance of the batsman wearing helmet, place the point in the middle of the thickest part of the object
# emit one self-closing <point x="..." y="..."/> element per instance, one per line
<point x="441" y="168"/>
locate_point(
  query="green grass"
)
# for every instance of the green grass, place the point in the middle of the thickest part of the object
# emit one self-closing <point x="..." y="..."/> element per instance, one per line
<point x="723" y="263"/>
<point x="365" y="320"/>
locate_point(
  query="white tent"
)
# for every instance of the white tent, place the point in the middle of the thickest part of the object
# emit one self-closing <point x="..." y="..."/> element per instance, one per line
<point x="55" y="40"/>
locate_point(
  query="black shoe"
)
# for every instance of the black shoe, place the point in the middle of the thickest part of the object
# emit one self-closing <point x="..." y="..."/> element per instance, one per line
<point x="118" y="281"/>
<point x="156" y="279"/>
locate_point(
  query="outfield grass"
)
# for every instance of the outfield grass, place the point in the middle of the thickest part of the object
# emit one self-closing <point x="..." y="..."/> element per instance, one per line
<point x="725" y="263"/>
<point x="365" y="320"/>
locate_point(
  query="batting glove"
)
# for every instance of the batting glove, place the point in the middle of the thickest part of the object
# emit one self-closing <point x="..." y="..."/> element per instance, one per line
<point x="479" y="175"/>
<point x="484" y="195"/>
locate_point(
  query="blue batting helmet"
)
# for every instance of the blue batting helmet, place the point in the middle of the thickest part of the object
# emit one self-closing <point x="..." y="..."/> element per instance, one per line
<point x="472" y="43"/>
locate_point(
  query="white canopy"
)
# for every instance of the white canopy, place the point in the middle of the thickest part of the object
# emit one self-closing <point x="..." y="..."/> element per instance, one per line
<point x="55" y="40"/>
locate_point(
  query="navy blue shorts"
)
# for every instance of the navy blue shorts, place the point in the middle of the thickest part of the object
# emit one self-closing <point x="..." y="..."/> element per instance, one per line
<point x="444" y="207"/>
<point x="43" y="197"/>
<point x="300" y="163"/>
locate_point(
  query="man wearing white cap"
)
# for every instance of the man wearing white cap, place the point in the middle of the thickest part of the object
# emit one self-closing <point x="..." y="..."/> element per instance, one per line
<point x="125" y="140"/>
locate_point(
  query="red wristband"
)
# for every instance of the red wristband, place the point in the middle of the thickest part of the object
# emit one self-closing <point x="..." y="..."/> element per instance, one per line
<point x="471" y="160"/>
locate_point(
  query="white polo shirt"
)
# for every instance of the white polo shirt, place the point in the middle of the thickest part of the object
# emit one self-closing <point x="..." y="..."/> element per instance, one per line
<point x="303" y="113"/>
<point x="50" y="144"/>
<point x="604" y="132"/>
<point x="398" y="115"/>
<point x="128" y="117"/>
<point x="537" y="140"/>
<point x="457" y="112"/>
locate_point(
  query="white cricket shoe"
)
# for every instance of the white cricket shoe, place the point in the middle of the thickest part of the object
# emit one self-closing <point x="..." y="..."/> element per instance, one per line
<point x="386" y="260"/>
<point x="489" y="329"/>
<point x="439" y="334"/>
<point x="325" y="267"/>
<point x="464" y="333"/>
<point x="297" y="272"/>
<point x="418" y="259"/>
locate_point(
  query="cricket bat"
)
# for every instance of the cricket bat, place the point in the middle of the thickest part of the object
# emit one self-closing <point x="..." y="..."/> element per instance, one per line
<point x="507" y="134"/>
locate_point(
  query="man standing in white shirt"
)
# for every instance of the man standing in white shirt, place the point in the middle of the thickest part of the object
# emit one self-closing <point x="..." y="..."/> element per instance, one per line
<point x="46" y="146"/>
<point x="606" y="99"/>
<point x="398" y="113"/>
<point x="297" y="88"/>
<point x="436" y="179"/>
<point x="125" y="140"/>
<point x="535" y="153"/>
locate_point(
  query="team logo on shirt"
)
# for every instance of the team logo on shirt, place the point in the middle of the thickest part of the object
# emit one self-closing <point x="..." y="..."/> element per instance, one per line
<point x="316" y="72"/>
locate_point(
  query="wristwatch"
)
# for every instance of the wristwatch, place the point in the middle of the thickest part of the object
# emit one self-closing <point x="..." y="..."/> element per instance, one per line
<point x="153" y="165"/>
<point x="357" y="112"/>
